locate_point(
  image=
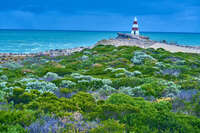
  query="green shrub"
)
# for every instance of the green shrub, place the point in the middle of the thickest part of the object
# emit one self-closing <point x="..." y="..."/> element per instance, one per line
<point x="109" y="126"/>
<point x="11" y="129"/>
<point x="20" y="96"/>
<point x="140" y="57"/>
<point x="127" y="82"/>
<point x="23" y="118"/>
<point x="66" y="90"/>
<point x="84" y="101"/>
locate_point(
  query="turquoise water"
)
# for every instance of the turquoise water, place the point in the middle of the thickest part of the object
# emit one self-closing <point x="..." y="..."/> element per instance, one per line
<point x="19" y="41"/>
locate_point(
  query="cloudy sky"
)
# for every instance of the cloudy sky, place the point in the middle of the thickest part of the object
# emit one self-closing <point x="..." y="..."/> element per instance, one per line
<point x="112" y="15"/>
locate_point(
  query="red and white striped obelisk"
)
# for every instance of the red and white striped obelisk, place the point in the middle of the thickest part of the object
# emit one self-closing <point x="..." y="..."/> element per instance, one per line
<point x="135" y="28"/>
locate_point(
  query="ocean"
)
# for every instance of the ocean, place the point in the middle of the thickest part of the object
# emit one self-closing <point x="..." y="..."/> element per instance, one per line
<point x="31" y="41"/>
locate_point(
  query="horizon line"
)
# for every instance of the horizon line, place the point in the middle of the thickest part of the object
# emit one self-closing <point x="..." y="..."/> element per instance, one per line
<point x="99" y="31"/>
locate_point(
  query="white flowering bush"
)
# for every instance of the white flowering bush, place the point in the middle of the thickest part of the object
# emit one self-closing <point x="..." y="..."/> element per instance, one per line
<point x="120" y="75"/>
<point x="181" y="62"/>
<point x="90" y="78"/>
<point x="85" y="82"/>
<point x="30" y="75"/>
<point x="106" y="81"/>
<point x="50" y="76"/>
<point x="2" y="95"/>
<point x="160" y="88"/>
<point x="22" y="82"/>
<point x="135" y="73"/>
<point x="160" y="64"/>
<point x="197" y="79"/>
<point x="135" y="92"/>
<point x="3" y="87"/>
<point x="84" y="58"/>
<point x="43" y="61"/>
<point x="34" y="60"/>
<point x="79" y="76"/>
<point x="3" y="78"/>
<point x="130" y="74"/>
<point x="12" y="65"/>
<point x="109" y="69"/>
<point x="29" y="60"/>
<point x="123" y="72"/>
<point x="139" y="57"/>
<point x="76" y="75"/>
<point x="82" y="77"/>
<point x="87" y="53"/>
<point x="115" y="70"/>
<point x="107" y="90"/>
<point x="114" y="50"/>
<point x="67" y="84"/>
<point x="171" y="89"/>
<point x="42" y="86"/>
<point x="119" y="69"/>
<point x="5" y="91"/>
<point x="27" y="80"/>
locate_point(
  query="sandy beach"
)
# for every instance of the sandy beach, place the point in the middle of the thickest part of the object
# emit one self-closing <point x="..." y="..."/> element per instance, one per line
<point x="176" y="48"/>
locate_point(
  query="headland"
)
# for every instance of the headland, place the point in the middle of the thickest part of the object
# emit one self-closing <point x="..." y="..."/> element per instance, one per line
<point x="145" y="42"/>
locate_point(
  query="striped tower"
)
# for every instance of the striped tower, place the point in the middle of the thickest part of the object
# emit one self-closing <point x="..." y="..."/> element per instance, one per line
<point x="135" y="28"/>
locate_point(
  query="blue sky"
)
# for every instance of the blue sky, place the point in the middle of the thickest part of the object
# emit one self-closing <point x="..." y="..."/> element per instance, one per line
<point x="114" y="15"/>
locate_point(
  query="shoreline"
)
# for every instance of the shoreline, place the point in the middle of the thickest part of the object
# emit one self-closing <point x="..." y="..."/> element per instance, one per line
<point x="52" y="52"/>
<point x="142" y="43"/>
<point x="177" y="48"/>
<point x="6" y="57"/>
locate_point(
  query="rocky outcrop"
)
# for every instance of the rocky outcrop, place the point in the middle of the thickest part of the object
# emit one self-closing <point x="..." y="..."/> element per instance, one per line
<point x="126" y="36"/>
<point x="128" y="40"/>
<point x="130" y="36"/>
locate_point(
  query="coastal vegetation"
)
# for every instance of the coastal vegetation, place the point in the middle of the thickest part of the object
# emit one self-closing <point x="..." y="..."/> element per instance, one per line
<point x="105" y="89"/>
